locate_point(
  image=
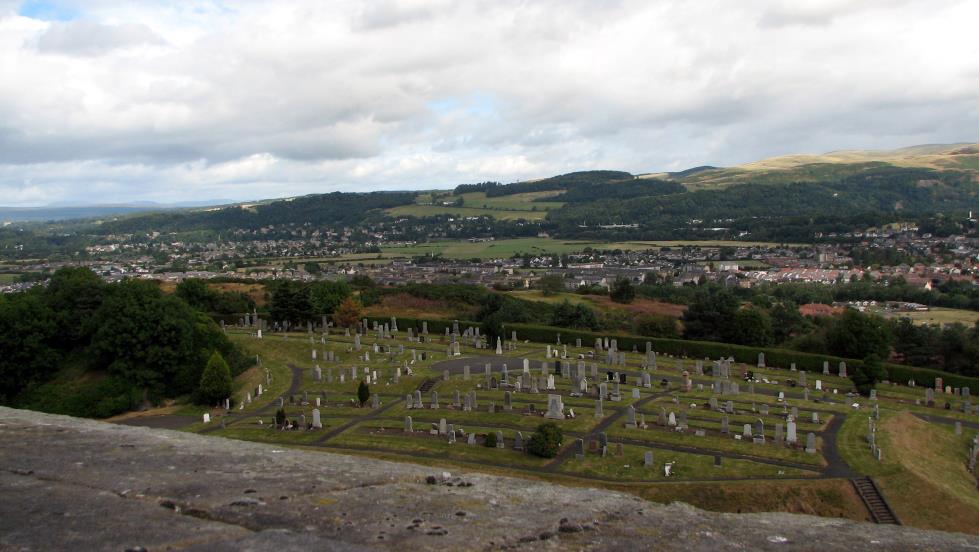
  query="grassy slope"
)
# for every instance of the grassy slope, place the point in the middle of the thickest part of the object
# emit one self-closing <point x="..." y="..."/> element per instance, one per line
<point x="789" y="168"/>
<point x="923" y="472"/>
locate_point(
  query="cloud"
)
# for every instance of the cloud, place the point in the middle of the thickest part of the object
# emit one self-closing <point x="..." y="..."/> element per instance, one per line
<point x="105" y="100"/>
<point x="87" y="38"/>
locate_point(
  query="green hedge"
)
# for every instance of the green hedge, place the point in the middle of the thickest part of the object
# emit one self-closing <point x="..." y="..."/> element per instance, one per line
<point x="435" y="325"/>
<point x="749" y="355"/>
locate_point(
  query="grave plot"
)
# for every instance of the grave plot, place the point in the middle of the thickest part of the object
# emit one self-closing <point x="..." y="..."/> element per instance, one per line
<point x="433" y="440"/>
<point x="629" y="462"/>
<point x="634" y="400"/>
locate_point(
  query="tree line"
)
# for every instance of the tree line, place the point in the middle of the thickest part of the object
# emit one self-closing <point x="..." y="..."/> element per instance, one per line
<point x="84" y="347"/>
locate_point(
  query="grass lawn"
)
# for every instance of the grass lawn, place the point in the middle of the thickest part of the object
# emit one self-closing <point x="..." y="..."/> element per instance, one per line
<point x="630" y="466"/>
<point x="515" y="202"/>
<point x="938" y="316"/>
<point x="462" y="212"/>
<point x="922" y="474"/>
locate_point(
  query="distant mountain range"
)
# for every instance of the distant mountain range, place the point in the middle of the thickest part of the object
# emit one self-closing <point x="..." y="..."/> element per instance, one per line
<point x="56" y="211"/>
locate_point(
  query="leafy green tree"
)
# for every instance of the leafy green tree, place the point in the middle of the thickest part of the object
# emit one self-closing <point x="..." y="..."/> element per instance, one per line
<point x="280" y="417"/>
<point x="28" y="345"/>
<point x="147" y="338"/>
<point x="363" y="392"/>
<point x="752" y="326"/>
<point x="215" y="383"/>
<point x="656" y="325"/>
<point x="312" y="268"/>
<point x="622" y="291"/>
<point x="290" y="302"/>
<point x="710" y="315"/>
<point x="550" y="285"/>
<point x="546" y="441"/>
<point x="567" y="315"/>
<point x="74" y="294"/>
<point x="865" y="376"/>
<point x="490" y="441"/>
<point x="325" y="297"/>
<point x="787" y="321"/>
<point x="856" y="335"/>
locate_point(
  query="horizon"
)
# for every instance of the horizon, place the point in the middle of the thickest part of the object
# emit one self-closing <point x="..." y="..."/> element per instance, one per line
<point x="120" y="103"/>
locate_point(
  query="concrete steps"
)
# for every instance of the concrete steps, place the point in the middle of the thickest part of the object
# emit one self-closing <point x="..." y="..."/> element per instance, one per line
<point x="880" y="510"/>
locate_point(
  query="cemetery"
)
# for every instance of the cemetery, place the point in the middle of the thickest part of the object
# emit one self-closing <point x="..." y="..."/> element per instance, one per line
<point x="627" y="418"/>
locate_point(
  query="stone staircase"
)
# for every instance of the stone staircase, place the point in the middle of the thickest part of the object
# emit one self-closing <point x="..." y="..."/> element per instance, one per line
<point x="427" y="385"/>
<point x="880" y="510"/>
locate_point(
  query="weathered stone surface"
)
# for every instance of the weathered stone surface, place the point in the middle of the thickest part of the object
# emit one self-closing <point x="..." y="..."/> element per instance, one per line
<point x="77" y="484"/>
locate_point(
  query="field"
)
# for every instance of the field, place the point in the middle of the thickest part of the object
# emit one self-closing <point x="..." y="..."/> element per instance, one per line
<point x="536" y="246"/>
<point x="8" y="278"/>
<point x="604" y="303"/>
<point x="940" y="316"/>
<point x="711" y="465"/>
<point x="476" y="204"/>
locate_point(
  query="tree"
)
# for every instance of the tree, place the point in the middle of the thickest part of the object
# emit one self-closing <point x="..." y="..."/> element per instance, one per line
<point x="490" y="441"/>
<point x="325" y="297"/>
<point x="215" y="383"/>
<point x="787" y="321"/>
<point x="866" y="375"/>
<point x="567" y="315"/>
<point x="622" y="291"/>
<point x="28" y="351"/>
<point x="546" y="441"/>
<point x="348" y="313"/>
<point x="312" y="267"/>
<point x="290" y="302"/>
<point x="752" y="326"/>
<point x="550" y="284"/>
<point x="145" y="337"/>
<point x="280" y="417"/>
<point x="710" y="315"/>
<point x="656" y="325"/>
<point x="74" y="294"/>
<point x="856" y="335"/>
<point x="363" y="392"/>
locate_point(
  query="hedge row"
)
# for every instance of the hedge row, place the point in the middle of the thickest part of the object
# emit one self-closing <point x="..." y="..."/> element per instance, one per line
<point x="749" y="355"/>
<point x="435" y="326"/>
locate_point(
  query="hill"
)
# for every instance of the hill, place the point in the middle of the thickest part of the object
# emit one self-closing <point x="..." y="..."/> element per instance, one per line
<point x="835" y="164"/>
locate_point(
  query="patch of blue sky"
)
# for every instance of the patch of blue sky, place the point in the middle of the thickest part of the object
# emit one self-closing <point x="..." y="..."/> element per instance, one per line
<point x="478" y="103"/>
<point x="49" y="11"/>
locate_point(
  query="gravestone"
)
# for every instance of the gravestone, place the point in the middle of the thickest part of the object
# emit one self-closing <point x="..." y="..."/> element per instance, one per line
<point x="630" y="420"/>
<point x="409" y="428"/>
<point x="555" y="407"/>
<point x="811" y="443"/>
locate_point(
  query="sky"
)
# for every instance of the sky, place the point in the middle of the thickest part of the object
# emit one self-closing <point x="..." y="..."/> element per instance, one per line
<point x="114" y="102"/>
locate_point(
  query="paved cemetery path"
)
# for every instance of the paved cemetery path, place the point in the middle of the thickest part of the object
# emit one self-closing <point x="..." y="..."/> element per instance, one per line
<point x="374" y="413"/>
<point x="515" y="365"/>
<point x="606" y="423"/>
<point x="837" y="467"/>
<point x="294" y="386"/>
<point x="945" y="421"/>
<point x="542" y="471"/>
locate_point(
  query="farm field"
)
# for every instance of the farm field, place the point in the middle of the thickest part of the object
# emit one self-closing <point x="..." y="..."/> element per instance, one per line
<point x="939" y="315"/>
<point x="415" y="385"/>
<point x="474" y="204"/>
<point x="462" y="212"/>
